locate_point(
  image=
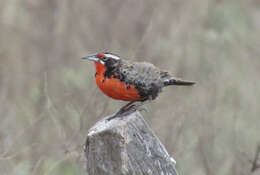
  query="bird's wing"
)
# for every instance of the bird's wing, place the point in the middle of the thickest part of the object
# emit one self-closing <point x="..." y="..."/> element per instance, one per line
<point x="141" y="73"/>
<point x="145" y="76"/>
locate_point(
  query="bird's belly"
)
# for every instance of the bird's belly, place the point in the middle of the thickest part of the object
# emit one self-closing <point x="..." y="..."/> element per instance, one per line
<point x="116" y="89"/>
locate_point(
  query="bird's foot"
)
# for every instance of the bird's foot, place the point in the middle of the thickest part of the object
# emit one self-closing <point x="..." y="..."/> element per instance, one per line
<point x="127" y="109"/>
<point x="142" y="109"/>
<point x="123" y="112"/>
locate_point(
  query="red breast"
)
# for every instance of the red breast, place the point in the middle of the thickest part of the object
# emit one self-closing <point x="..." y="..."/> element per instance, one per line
<point x="113" y="87"/>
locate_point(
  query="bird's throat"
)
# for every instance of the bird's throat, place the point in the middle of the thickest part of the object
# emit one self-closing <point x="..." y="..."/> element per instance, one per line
<point x="100" y="68"/>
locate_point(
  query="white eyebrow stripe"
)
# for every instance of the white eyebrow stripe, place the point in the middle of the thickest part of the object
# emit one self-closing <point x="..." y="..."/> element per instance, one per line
<point x="112" y="56"/>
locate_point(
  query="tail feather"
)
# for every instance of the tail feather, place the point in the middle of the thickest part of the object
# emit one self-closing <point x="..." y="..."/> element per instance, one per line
<point x="178" y="82"/>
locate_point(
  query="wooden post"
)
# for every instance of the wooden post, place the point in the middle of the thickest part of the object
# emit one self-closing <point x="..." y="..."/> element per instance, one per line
<point x="126" y="146"/>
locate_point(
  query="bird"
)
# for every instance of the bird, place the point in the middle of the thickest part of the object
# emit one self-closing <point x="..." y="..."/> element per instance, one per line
<point x="134" y="82"/>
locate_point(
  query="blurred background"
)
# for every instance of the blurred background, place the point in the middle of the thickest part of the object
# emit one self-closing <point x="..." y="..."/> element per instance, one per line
<point x="49" y="99"/>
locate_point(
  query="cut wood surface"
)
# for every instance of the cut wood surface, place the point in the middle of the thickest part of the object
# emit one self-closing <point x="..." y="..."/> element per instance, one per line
<point x="126" y="146"/>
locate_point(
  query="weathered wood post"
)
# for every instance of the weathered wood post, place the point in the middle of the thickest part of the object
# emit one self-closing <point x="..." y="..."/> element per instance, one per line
<point x="126" y="146"/>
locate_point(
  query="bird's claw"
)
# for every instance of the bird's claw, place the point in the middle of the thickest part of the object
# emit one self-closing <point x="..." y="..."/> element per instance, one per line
<point x="128" y="109"/>
<point x="142" y="109"/>
<point x="122" y="112"/>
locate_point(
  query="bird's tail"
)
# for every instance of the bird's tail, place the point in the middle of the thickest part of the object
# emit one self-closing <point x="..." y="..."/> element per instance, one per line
<point x="178" y="82"/>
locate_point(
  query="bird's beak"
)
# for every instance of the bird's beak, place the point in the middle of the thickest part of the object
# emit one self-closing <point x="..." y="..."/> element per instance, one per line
<point x="91" y="58"/>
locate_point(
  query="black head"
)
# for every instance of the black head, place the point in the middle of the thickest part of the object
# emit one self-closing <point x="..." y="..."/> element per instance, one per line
<point x="106" y="58"/>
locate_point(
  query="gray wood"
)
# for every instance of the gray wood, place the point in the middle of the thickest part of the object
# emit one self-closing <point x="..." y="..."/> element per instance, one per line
<point x="126" y="146"/>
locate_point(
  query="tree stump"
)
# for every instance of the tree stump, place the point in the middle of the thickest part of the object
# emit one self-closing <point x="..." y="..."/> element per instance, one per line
<point x="126" y="146"/>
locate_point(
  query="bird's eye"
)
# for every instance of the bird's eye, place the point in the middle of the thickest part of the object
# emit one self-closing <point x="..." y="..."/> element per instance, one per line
<point x="105" y="58"/>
